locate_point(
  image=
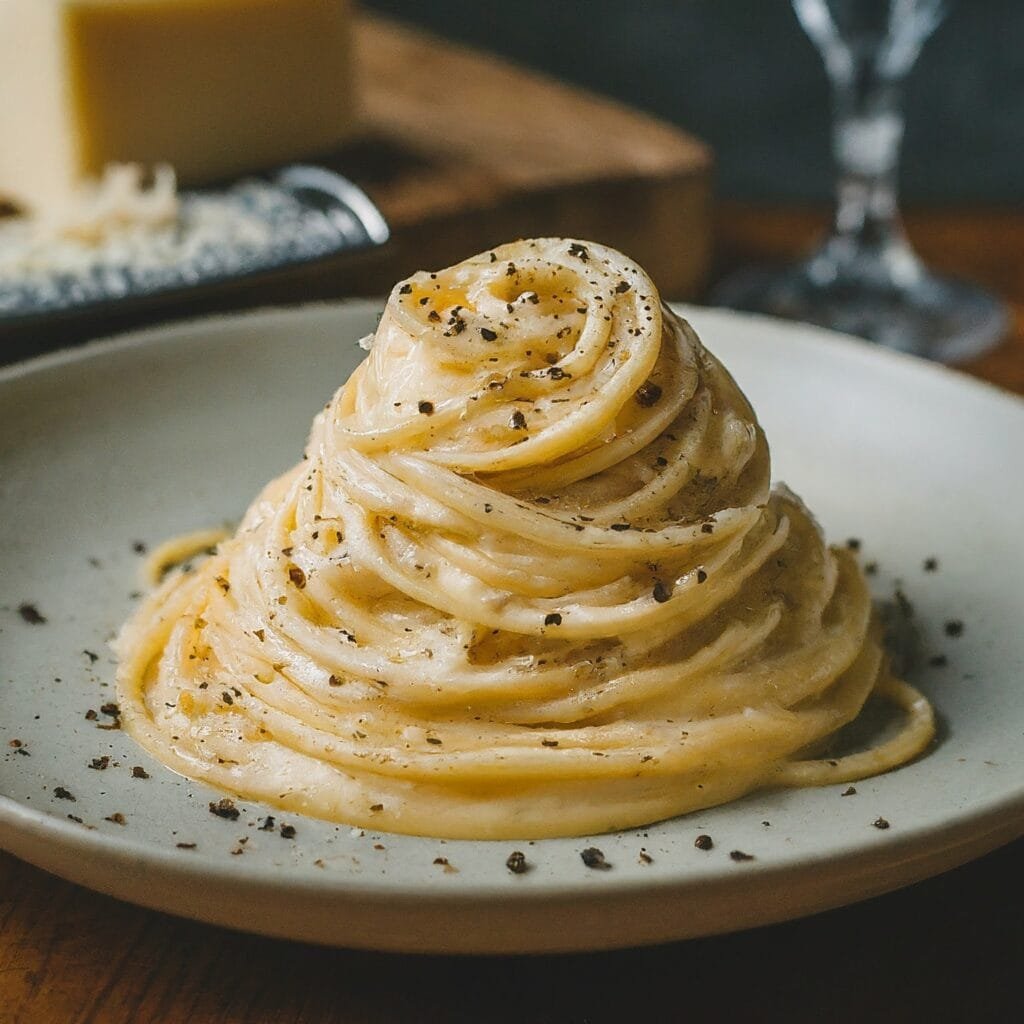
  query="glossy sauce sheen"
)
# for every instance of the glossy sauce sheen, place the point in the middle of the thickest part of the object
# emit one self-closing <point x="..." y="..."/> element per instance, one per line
<point x="530" y="580"/>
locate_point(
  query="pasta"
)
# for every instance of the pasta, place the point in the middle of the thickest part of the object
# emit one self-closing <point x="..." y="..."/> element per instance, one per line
<point x="529" y="580"/>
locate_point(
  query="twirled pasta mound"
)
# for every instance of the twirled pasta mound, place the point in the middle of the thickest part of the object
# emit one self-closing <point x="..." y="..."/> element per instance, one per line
<point x="529" y="580"/>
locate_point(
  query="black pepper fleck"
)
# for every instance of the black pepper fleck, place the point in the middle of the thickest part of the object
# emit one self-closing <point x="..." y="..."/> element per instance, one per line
<point x="594" y="858"/>
<point x="31" y="614"/>
<point x="880" y="823"/>
<point x="703" y="842"/>
<point x="516" y="863"/>
<point x="739" y="855"/>
<point x="427" y="408"/>
<point x="225" y="808"/>
<point x="552" y="619"/>
<point x="647" y="394"/>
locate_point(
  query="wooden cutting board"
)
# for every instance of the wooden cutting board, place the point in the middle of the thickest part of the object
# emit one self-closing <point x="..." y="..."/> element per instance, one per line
<point x="486" y="152"/>
<point x="463" y="151"/>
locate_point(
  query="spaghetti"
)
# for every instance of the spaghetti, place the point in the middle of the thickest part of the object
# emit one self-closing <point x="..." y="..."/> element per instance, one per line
<point x="530" y="580"/>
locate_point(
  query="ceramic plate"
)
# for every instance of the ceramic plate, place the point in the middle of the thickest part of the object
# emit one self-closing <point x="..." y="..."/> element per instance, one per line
<point x="118" y="445"/>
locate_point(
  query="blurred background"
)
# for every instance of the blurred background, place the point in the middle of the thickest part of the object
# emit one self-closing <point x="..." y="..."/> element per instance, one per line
<point x="694" y="135"/>
<point x="743" y="76"/>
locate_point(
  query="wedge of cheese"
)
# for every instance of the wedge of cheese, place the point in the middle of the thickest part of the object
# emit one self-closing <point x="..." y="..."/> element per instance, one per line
<point x="212" y="87"/>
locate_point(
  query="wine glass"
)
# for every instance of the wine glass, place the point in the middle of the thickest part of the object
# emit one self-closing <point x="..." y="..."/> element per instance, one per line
<point x="865" y="279"/>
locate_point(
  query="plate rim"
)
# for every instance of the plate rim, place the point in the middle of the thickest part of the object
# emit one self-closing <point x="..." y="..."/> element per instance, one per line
<point x="858" y="348"/>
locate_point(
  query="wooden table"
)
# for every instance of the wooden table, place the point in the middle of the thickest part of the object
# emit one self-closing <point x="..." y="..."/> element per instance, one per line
<point x="948" y="949"/>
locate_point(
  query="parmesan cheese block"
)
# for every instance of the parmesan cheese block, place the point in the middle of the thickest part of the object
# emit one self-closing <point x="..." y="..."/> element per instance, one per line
<point x="212" y="87"/>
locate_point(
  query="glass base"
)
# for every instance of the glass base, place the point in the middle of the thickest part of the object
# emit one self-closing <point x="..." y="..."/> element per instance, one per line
<point x="938" y="318"/>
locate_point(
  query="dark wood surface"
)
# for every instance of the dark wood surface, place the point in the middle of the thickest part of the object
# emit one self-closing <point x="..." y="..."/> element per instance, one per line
<point x="947" y="949"/>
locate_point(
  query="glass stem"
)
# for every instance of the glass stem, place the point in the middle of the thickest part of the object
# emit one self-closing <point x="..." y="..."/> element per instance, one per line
<point x="867" y="133"/>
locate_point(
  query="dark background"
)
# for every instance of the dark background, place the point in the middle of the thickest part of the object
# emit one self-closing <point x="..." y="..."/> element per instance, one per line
<point x="742" y="75"/>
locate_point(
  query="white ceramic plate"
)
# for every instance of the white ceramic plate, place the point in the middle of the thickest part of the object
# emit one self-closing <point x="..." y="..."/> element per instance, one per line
<point x="153" y="434"/>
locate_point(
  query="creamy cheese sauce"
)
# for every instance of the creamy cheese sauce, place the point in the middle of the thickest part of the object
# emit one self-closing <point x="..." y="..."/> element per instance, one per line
<point x="530" y="580"/>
